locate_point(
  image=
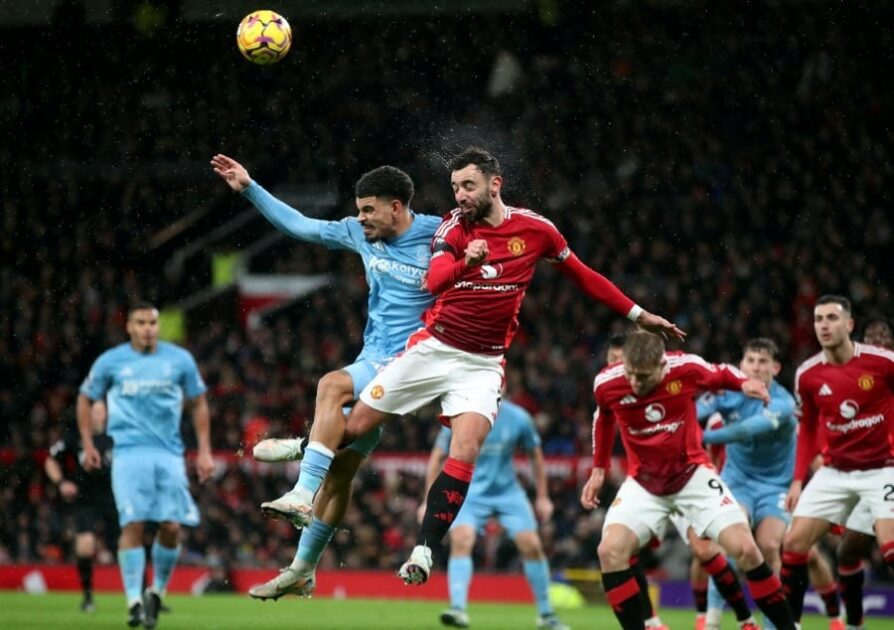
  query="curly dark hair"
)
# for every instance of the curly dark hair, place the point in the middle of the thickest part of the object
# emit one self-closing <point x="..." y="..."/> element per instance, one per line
<point x="388" y="182"/>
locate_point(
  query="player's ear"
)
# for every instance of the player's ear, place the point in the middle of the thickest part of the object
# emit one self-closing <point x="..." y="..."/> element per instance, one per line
<point x="850" y="324"/>
<point x="777" y="367"/>
<point x="496" y="184"/>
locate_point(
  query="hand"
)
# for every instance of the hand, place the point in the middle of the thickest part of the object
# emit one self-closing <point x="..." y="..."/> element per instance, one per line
<point x="589" y="497"/>
<point x="543" y="508"/>
<point x="658" y="325"/>
<point x="794" y="494"/>
<point x="92" y="459"/>
<point x="476" y="252"/>
<point x="68" y="490"/>
<point x="231" y="171"/>
<point x="204" y="466"/>
<point x="754" y="388"/>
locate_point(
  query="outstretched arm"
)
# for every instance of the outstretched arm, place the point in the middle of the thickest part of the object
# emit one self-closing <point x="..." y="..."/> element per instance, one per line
<point x="601" y="288"/>
<point x="283" y="216"/>
<point x="764" y="422"/>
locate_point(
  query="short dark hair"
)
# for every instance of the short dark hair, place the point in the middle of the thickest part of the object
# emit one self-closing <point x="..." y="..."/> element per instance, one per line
<point x="485" y="162"/>
<point x="842" y="301"/>
<point x="388" y="182"/>
<point x="617" y="340"/>
<point x="141" y="305"/>
<point x="643" y="349"/>
<point x="762" y="344"/>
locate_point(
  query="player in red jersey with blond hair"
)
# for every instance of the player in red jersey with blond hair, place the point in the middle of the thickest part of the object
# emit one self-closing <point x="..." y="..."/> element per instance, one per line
<point x="651" y="398"/>
<point x="845" y="395"/>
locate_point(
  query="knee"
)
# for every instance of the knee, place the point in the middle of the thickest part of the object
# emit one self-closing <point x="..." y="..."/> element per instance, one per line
<point x="796" y="543"/>
<point x="169" y="533"/>
<point x="335" y="388"/>
<point x="462" y="539"/>
<point x="529" y="545"/>
<point x="613" y="556"/>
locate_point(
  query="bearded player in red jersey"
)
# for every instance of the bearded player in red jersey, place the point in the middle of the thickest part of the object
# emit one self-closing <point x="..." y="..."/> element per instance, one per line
<point x="651" y="396"/>
<point x="483" y="259"/>
<point x="846" y="404"/>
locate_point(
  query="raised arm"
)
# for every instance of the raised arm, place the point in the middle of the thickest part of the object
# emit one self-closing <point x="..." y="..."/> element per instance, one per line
<point x="284" y="217"/>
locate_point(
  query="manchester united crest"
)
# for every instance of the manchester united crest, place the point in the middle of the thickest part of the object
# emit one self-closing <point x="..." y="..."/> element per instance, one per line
<point x="377" y="392"/>
<point x="516" y="246"/>
<point x="674" y="387"/>
<point x="866" y="382"/>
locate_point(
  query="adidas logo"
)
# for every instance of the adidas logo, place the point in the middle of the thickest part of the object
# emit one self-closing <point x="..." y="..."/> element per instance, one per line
<point x="726" y="501"/>
<point x="825" y="390"/>
<point x="629" y="399"/>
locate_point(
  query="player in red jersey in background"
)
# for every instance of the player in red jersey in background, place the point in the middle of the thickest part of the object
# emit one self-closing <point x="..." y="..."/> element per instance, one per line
<point x="651" y="396"/>
<point x="483" y="259"/>
<point x="846" y="405"/>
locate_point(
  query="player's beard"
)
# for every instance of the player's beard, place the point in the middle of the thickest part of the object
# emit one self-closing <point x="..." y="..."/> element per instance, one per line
<point x="481" y="209"/>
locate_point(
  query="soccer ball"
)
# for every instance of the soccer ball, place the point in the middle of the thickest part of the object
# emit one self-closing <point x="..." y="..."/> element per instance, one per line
<point x="264" y="37"/>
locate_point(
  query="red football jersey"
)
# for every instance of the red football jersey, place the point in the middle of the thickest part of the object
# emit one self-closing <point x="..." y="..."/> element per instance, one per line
<point x="660" y="430"/>
<point x="846" y="411"/>
<point x="479" y="312"/>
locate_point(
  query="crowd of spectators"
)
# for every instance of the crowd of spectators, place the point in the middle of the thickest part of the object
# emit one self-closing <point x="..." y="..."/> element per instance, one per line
<point x="723" y="166"/>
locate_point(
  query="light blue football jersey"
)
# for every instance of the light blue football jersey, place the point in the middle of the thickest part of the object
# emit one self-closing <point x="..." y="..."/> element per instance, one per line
<point x="144" y="393"/>
<point x="494" y="472"/>
<point x="394" y="268"/>
<point x="768" y="457"/>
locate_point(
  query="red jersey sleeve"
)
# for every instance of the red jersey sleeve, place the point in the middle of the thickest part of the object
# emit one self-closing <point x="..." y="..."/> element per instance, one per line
<point x="595" y="285"/>
<point x="603" y="434"/>
<point x="712" y="376"/>
<point x="807" y="432"/>
<point x="447" y="257"/>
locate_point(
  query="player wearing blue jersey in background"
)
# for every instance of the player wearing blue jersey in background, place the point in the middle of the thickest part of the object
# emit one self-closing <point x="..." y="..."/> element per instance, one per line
<point x="394" y="244"/>
<point x="145" y="383"/>
<point x="760" y="454"/>
<point x="495" y="491"/>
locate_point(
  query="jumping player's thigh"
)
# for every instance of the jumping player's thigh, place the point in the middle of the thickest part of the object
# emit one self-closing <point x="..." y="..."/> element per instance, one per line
<point x="410" y="381"/>
<point x="175" y="503"/>
<point x="133" y="485"/>
<point x="709" y="504"/>
<point x="357" y="377"/>
<point x="640" y="511"/>
<point x="830" y="496"/>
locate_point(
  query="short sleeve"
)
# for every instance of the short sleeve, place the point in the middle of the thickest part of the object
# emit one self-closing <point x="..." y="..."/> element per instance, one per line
<point x="99" y="379"/>
<point x="344" y="234"/>
<point x="192" y="384"/>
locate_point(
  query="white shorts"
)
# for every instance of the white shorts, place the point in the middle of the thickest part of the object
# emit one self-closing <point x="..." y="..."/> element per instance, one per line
<point x="832" y="495"/>
<point x="705" y="502"/>
<point x="430" y="369"/>
<point x="860" y="520"/>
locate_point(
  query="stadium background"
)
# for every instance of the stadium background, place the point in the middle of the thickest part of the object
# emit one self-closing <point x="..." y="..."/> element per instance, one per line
<point x="723" y="165"/>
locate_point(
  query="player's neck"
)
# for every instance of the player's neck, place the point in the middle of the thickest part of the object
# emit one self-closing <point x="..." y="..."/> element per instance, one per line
<point x="497" y="214"/>
<point x="402" y="226"/>
<point x="141" y="349"/>
<point x="840" y="354"/>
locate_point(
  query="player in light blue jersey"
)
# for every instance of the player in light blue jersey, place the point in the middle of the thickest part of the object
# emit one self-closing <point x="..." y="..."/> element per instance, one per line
<point x="145" y="383"/>
<point x="394" y="244"/>
<point x="760" y="454"/>
<point x="495" y="491"/>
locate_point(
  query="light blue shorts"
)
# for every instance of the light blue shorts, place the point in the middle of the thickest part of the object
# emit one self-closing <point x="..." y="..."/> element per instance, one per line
<point x="362" y="372"/>
<point x="760" y="500"/>
<point x="150" y="484"/>
<point x="512" y="510"/>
